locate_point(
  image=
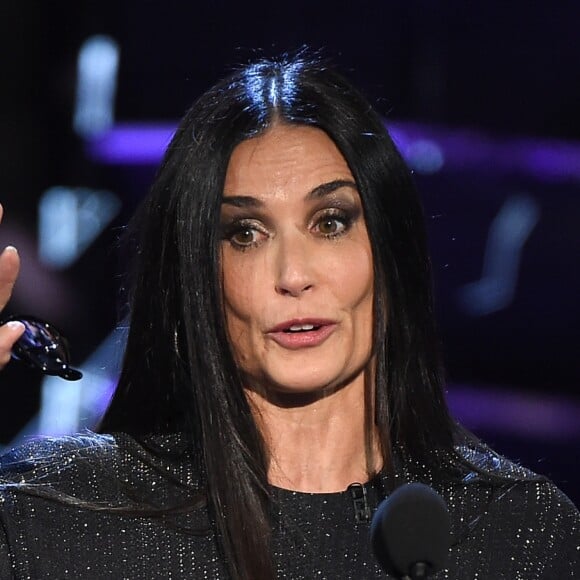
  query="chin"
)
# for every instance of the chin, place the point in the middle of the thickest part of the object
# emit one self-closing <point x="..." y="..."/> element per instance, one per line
<point x="298" y="382"/>
<point x="298" y="396"/>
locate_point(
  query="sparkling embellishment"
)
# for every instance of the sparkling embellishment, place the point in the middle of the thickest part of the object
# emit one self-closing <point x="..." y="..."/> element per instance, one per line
<point x="513" y="525"/>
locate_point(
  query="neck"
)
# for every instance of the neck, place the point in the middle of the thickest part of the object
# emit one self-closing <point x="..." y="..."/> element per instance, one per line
<point x="317" y="443"/>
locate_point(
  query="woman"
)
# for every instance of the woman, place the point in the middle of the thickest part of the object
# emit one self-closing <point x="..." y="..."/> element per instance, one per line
<point x="281" y="348"/>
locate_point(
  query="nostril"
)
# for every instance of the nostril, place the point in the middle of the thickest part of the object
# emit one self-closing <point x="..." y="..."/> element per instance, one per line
<point x="289" y="289"/>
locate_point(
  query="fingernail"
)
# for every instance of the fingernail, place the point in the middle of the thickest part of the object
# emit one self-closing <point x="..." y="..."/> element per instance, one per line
<point x="11" y="249"/>
<point x="15" y="325"/>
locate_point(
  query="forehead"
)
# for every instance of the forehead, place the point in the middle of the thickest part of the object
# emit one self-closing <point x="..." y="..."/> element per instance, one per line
<point x="286" y="158"/>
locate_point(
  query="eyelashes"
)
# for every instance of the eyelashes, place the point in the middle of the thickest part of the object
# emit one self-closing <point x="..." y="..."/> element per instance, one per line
<point x="333" y="223"/>
<point x="246" y="233"/>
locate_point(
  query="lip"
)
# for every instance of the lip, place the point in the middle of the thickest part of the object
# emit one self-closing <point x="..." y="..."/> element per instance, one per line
<point x="298" y="340"/>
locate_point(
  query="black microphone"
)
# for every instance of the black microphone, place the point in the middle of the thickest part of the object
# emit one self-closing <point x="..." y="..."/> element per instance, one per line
<point x="411" y="532"/>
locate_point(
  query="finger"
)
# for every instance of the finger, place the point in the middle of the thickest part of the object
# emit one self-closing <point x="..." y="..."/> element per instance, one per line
<point x="9" y="334"/>
<point x="9" y="267"/>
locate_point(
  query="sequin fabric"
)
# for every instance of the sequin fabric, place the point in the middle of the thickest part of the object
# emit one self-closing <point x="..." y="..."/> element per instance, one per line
<point x="520" y="527"/>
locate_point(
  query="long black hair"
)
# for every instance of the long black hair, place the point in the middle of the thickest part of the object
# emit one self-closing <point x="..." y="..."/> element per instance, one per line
<point x="179" y="372"/>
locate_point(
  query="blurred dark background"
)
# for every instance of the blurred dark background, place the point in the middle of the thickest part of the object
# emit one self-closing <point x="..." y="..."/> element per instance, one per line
<point x="482" y="98"/>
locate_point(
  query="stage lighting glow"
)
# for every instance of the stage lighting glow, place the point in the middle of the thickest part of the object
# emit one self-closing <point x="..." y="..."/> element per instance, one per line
<point x="68" y="407"/>
<point x="97" y="68"/>
<point x="507" y="236"/>
<point x="546" y="161"/>
<point x="131" y="144"/>
<point x="69" y="220"/>
<point x="424" y="156"/>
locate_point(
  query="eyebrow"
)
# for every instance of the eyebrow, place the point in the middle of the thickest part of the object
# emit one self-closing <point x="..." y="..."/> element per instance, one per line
<point x="317" y="193"/>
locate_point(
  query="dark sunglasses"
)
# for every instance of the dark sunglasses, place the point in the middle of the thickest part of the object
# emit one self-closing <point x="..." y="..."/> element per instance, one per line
<point x="43" y="347"/>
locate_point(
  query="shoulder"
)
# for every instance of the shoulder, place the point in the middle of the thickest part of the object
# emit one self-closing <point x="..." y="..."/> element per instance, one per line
<point x="482" y="461"/>
<point x="43" y="457"/>
<point x="67" y="464"/>
<point x="46" y="453"/>
<point x="93" y="499"/>
<point x="510" y="510"/>
<point x="95" y="467"/>
<point x="510" y="485"/>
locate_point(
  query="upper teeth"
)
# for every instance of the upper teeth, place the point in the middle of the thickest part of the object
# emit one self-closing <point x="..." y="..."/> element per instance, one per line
<point x="297" y="327"/>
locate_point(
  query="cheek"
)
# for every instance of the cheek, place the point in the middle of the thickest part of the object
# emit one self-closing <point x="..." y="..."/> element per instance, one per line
<point x="232" y="296"/>
<point x="354" y="283"/>
<point x="243" y="299"/>
<point x="353" y="279"/>
<point x="240" y="287"/>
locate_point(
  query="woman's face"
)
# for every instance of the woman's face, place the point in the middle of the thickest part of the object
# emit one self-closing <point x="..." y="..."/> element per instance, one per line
<point x="297" y="264"/>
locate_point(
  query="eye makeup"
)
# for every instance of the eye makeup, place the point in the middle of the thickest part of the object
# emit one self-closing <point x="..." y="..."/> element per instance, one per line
<point x="246" y="221"/>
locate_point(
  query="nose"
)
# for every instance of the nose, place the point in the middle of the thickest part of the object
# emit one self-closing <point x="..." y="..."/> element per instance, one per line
<point x="294" y="267"/>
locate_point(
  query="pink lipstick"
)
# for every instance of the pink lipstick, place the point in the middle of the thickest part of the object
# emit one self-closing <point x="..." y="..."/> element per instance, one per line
<point x="302" y="332"/>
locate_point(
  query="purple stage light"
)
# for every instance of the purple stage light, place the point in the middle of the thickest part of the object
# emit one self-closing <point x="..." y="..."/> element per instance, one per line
<point x="427" y="148"/>
<point x="510" y="412"/>
<point x="131" y="144"/>
<point x="545" y="160"/>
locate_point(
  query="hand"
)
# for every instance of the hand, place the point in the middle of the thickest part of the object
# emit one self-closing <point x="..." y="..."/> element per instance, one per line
<point x="10" y="332"/>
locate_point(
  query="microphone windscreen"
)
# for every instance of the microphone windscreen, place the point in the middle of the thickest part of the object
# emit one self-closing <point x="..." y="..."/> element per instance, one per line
<point x="412" y="525"/>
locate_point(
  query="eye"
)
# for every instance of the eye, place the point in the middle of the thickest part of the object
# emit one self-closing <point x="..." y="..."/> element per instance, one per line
<point x="330" y="226"/>
<point x="333" y="224"/>
<point x="242" y="235"/>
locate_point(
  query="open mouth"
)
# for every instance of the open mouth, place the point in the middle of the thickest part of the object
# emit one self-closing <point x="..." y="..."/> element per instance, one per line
<point x="302" y="328"/>
<point x="296" y="335"/>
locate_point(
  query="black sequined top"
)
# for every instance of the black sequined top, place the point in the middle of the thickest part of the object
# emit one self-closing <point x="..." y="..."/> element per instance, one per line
<point x="521" y="529"/>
